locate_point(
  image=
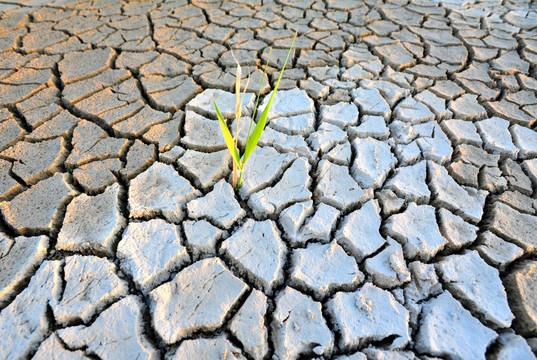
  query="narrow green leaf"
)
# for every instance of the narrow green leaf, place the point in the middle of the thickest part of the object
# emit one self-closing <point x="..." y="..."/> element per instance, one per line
<point x="260" y="126"/>
<point x="228" y="138"/>
<point x="239" y="184"/>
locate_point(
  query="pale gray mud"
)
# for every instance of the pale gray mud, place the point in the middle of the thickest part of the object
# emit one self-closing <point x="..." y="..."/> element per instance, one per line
<point x="389" y="211"/>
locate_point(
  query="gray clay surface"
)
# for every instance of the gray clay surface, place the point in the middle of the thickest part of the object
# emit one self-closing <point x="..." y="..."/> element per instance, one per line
<point x="389" y="211"/>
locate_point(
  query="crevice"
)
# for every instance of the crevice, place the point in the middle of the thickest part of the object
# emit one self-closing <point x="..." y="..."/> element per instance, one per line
<point x="19" y="118"/>
<point x="289" y="15"/>
<point x="236" y="342"/>
<point x="222" y="329"/>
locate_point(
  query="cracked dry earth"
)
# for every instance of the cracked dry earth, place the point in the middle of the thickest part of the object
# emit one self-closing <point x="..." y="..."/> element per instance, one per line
<point x="388" y="213"/>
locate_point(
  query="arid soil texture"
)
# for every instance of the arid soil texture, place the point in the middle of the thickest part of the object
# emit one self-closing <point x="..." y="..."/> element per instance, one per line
<point x="389" y="211"/>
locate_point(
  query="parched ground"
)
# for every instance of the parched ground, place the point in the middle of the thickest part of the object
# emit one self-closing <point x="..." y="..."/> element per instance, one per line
<point x="389" y="211"/>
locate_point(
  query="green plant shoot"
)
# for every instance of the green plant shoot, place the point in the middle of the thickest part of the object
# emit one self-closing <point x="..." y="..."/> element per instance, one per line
<point x="253" y="138"/>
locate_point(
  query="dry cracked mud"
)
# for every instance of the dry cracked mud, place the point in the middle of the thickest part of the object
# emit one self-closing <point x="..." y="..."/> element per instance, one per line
<point x="389" y="212"/>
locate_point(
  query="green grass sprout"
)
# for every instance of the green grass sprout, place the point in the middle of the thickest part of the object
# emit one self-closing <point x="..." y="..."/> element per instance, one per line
<point x="253" y="136"/>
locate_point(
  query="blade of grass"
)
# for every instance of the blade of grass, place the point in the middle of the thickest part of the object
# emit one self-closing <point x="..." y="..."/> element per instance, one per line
<point x="260" y="126"/>
<point x="239" y="184"/>
<point x="228" y="138"/>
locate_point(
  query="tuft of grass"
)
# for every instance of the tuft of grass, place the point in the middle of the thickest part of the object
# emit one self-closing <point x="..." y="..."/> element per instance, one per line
<point x="253" y="136"/>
